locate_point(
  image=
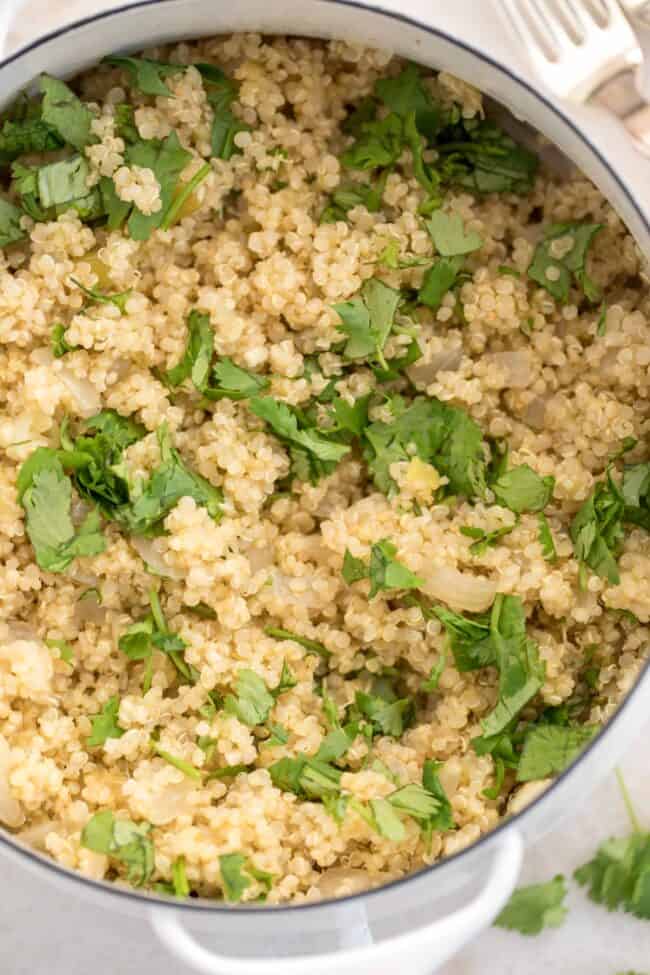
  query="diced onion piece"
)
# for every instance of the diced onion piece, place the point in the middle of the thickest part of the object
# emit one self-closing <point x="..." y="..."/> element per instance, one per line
<point x="153" y="558"/>
<point x="517" y="365"/>
<point x="459" y="590"/>
<point x="341" y="881"/>
<point x="423" y="373"/>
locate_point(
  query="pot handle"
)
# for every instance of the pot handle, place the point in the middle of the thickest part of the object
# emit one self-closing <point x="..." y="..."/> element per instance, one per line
<point x="419" y="952"/>
<point x="9" y="10"/>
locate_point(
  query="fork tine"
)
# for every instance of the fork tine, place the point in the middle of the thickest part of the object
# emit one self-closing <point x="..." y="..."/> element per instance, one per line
<point x="533" y="28"/>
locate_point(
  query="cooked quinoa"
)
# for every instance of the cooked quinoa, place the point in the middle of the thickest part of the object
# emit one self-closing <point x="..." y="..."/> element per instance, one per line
<point x="269" y="683"/>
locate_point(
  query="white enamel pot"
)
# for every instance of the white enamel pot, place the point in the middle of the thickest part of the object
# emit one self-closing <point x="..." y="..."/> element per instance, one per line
<point x="414" y="924"/>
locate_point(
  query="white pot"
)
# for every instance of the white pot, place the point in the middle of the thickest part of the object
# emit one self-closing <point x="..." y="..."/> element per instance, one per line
<point x="418" y="922"/>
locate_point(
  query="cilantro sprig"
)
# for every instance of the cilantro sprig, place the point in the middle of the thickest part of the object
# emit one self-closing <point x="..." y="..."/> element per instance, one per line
<point x="123" y="840"/>
<point x="533" y="908"/>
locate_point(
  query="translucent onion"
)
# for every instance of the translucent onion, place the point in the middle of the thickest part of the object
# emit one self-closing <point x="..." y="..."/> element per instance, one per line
<point x="459" y="590"/>
<point x="153" y="558"/>
<point x="423" y="373"/>
<point x="518" y="367"/>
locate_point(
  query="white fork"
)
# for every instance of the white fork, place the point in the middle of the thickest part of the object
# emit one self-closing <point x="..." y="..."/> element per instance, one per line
<point x="575" y="46"/>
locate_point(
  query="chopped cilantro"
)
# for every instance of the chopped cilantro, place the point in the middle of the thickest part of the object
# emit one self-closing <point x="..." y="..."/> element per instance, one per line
<point x="252" y="701"/>
<point x="104" y="724"/>
<point x="182" y="196"/>
<point x="278" y="734"/>
<point x="167" y="159"/>
<point x="387" y="714"/>
<point x="368" y="321"/>
<point x="65" y="113"/>
<point x="10" y="228"/>
<point x="483" y="539"/>
<point x="237" y="875"/>
<point x="198" y="353"/>
<point x="185" y="767"/>
<point x="386" y="821"/>
<point x="438" y="434"/>
<point x="46" y="495"/>
<point x="59" y="345"/>
<point x="449" y="235"/>
<point x="349" y="195"/>
<point x="438" y="280"/>
<point x="119" y="300"/>
<point x="168" y="483"/>
<point x="521" y="672"/>
<point x="556" y="274"/>
<point x="123" y="840"/>
<point x="597" y="532"/>
<point x="314" y="452"/>
<point x="601" y="324"/>
<point x="66" y="653"/>
<point x="221" y="92"/>
<point x="431" y="683"/>
<point x="533" y="908"/>
<point x="618" y="876"/>
<point x="306" y="777"/>
<point x="522" y="489"/>
<point x="145" y="74"/>
<point x="546" y="538"/>
<point x="141" y="638"/>
<point x="548" y="749"/>
<point x="311" y="646"/>
<point x="383" y="570"/>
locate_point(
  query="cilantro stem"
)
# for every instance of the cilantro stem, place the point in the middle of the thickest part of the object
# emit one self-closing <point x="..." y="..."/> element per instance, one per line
<point x="177" y="204"/>
<point x="156" y="611"/>
<point x="179" y="763"/>
<point x="627" y="800"/>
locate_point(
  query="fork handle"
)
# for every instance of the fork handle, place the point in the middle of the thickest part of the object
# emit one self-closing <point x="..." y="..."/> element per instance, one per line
<point x="620" y="96"/>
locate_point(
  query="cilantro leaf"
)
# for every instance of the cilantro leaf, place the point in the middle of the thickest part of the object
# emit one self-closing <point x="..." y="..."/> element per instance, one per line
<point x="556" y="274"/>
<point x="384" y="570"/>
<point x="387" y="714"/>
<point x="10" y="228"/>
<point x="368" y="321"/>
<point x="237" y="875"/>
<point x="221" y="92"/>
<point x="548" y="749"/>
<point x="123" y="840"/>
<point x="313" y="452"/>
<point x="104" y="724"/>
<point x="471" y="641"/>
<point x="449" y="235"/>
<point x="306" y="777"/>
<point x="405" y="94"/>
<point x="522" y="489"/>
<point x="597" y="532"/>
<point x="20" y="137"/>
<point x="233" y="382"/>
<point x="521" y="672"/>
<point x="65" y="113"/>
<point x="198" y="353"/>
<point x="46" y="495"/>
<point x="145" y="74"/>
<point x="438" y="280"/>
<point x="386" y="821"/>
<point x="483" y="539"/>
<point x="59" y="345"/>
<point x="477" y="155"/>
<point x="99" y="297"/>
<point x="253" y="700"/>
<point x="618" y="876"/>
<point x="441" y="435"/>
<point x="66" y="653"/>
<point x="349" y="195"/>
<point x="166" y="159"/>
<point x="46" y="191"/>
<point x="95" y="457"/>
<point x="141" y="638"/>
<point x="311" y="646"/>
<point x="379" y="143"/>
<point x="168" y="483"/>
<point x="533" y="908"/>
<point x="546" y="538"/>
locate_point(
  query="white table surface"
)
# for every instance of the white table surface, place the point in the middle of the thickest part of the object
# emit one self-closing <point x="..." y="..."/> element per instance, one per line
<point x="44" y="930"/>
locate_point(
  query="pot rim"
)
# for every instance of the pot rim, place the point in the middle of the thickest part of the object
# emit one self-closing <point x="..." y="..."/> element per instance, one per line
<point x="203" y="906"/>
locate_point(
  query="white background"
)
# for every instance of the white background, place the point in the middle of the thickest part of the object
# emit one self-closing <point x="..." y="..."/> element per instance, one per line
<point x="44" y="930"/>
